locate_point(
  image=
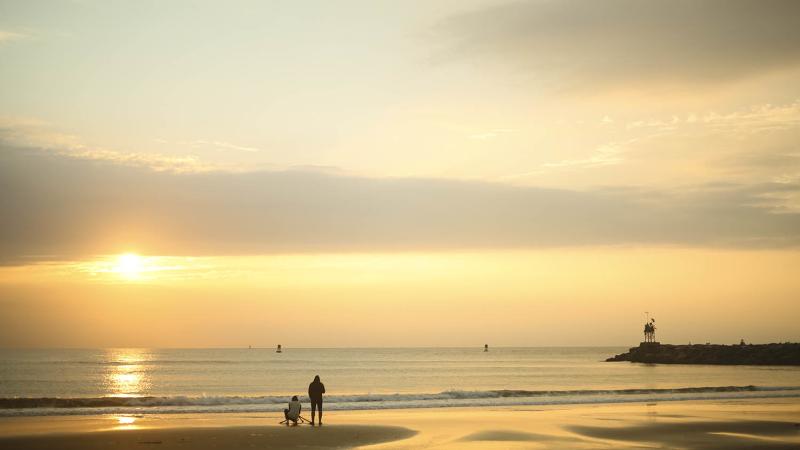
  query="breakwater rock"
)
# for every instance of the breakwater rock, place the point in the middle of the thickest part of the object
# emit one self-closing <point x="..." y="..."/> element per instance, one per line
<point x="787" y="354"/>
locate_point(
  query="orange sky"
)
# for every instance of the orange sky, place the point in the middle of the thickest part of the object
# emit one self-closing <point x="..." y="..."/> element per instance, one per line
<point x="398" y="173"/>
<point x="591" y="296"/>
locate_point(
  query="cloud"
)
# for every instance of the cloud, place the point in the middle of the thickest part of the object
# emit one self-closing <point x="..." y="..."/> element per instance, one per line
<point x="490" y="134"/>
<point x="741" y="123"/>
<point x="755" y="143"/>
<point x="227" y="146"/>
<point x="605" y="155"/>
<point x="9" y="36"/>
<point x="36" y="134"/>
<point x="746" y="145"/>
<point x="622" y="42"/>
<point x="71" y="208"/>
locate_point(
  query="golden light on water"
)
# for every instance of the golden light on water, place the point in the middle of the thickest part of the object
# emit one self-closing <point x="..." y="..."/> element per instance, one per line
<point x="126" y="375"/>
<point x="126" y="383"/>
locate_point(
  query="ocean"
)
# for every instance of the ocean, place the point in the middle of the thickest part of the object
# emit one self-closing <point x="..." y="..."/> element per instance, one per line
<point x="164" y="381"/>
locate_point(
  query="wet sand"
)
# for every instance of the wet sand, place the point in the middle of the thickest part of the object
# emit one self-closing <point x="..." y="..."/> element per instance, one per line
<point x="233" y="437"/>
<point x="771" y="424"/>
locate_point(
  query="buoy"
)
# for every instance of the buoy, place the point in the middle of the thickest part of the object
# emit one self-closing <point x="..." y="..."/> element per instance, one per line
<point x="486" y="347"/>
<point x="279" y="349"/>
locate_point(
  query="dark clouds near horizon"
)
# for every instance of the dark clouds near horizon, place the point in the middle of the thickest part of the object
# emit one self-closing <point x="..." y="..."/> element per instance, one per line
<point x="57" y="207"/>
<point x="588" y="44"/>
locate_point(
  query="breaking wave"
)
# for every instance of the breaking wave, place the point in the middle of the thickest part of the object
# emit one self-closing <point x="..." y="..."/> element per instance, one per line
<point x="25" y="406"/>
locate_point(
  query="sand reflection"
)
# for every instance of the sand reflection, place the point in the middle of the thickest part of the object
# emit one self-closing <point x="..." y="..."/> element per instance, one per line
<point x="125" y="423"/>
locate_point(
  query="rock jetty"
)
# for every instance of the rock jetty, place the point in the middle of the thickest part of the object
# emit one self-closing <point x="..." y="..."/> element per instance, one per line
<point x="787" y="354"/>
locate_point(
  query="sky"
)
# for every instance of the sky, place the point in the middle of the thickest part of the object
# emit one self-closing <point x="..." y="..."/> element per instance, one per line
<point x="379" y="173"/>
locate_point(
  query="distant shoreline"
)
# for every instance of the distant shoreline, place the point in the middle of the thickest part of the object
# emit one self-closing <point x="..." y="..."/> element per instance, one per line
<point x="776" y="354"/>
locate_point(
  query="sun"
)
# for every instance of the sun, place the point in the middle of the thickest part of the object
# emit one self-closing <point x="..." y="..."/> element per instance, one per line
<point x="132" y="267"/>
<point x="129" y="265"/>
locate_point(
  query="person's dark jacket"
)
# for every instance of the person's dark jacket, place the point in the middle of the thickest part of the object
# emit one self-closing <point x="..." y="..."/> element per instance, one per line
<point x="316" y="389"/>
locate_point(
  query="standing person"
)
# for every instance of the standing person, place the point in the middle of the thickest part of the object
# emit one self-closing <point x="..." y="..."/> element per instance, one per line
<point x="315" y="391"/>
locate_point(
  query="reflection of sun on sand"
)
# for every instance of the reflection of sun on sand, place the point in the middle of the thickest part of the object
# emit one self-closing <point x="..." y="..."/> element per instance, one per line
<point x="705" y="425"/>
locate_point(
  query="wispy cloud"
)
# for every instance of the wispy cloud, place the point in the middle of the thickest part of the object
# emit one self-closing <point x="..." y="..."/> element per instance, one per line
<point x="205" y="143"/>
<point x="605" y="155"/>
<point x="743" y="122"/>
<point x="490" y="134"/>
<point x="227" y="146"/>
<point x="39" y="135"/>
<point x="757" y="143"/>
<point x="592" y="45"/>
<point x="782" y="201"/>
<point x="10" y="36"/>
<point x="750" y="144"/>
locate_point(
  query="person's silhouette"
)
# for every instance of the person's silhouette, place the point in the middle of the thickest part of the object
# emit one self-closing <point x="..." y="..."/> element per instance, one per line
<point x="293" y="411"/>
<point x="315" y="391"/>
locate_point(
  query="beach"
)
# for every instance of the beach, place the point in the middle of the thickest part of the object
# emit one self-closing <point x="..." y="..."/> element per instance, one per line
<point x="750" y="423"/>
<point x="480" y="224"/>
<point x="449" y="398"/>
<point x="443" y="398"/>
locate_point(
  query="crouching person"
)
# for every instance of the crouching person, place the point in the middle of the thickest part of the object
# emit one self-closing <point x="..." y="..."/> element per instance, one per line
<point x="293" y="411"/>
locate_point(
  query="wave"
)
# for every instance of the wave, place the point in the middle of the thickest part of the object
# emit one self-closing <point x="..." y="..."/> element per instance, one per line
<point x="361" y="401"/>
